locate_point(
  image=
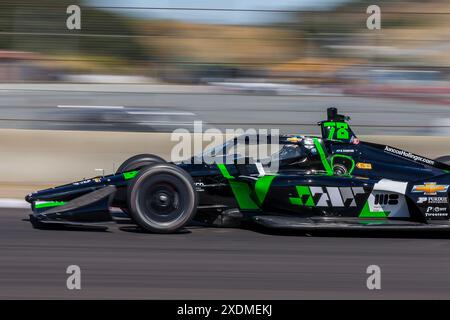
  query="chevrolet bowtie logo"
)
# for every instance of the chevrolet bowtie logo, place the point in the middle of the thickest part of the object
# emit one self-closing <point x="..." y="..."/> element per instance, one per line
<point x="430" y="188"/>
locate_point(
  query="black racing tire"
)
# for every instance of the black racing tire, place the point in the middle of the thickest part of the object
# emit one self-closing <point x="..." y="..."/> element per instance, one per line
<point x="139" y="161"/>
<point x="135" y="163"/>
<point x="443" y="159"/>
<point x="162" y="198"/>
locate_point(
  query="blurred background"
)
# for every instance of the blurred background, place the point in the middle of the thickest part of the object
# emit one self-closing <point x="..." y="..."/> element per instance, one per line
<point x="158" y="65"/>
<point x="77" y="103"/>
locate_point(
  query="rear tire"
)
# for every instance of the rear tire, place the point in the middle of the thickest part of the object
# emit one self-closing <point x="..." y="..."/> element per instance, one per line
<point x="134" y="163"/>
<point x="162" y="198"/>
<point x="139" y="161"/>
<point x="443" y="159"/>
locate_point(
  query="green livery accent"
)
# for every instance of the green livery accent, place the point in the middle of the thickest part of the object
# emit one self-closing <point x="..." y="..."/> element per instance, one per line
<point x="262" y="187"/>
<point x="241" y="192"/>
<point x="130" y="175"/>
<point x="50" y="204"/>
<point x="340" y="128"/>
<point x="240" y="189"/>
<point x="303" y="191"/>
<point x="224" y="171"/>
<point x="323" y="157"/>
<point x="346" y="157"/>
<point x="366" y="213"/>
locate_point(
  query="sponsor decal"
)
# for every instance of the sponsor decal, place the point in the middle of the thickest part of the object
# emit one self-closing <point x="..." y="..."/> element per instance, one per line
<point x="199" y="186"/>
<point x="294" y="139"/>
<point x="436" y="212"/>
<point x="364" y="166"/>
<point x="345" y="151"/>
<point x="433" y="214"/>
<point x="82" y="182"/>
<point x="408" y="155"/>
<point x="422" y="200"/>
<point x="436" y="209"/>
<point x="430" y="188"/>
<point x="432" y="200"/>
<point x="328" y="196"/>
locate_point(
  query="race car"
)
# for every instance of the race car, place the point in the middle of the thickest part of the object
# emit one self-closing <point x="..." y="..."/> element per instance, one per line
<point x="332" y="182"/>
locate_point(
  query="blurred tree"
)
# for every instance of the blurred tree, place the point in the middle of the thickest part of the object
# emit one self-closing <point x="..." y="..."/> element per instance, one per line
<point x="339" y="25"/>
<point x="41" y="26"/>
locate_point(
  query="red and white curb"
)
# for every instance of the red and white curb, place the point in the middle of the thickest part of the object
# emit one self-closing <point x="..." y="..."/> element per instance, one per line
<point x="14" y="203"/>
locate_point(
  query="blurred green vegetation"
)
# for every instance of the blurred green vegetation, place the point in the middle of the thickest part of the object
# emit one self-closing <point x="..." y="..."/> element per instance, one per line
<point x="40" y="26"/>
<point x="312" y="42"/>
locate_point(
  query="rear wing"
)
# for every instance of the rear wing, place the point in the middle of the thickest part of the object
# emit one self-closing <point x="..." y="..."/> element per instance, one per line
<point x="335" y="128"/>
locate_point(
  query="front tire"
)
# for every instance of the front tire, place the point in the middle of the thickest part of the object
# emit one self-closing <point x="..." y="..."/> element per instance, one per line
<point x="443" y="159"/>
<point x="162" y="198"/>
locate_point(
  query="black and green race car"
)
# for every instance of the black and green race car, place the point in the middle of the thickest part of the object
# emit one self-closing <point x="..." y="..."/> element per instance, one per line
<point x="334" y="181"/>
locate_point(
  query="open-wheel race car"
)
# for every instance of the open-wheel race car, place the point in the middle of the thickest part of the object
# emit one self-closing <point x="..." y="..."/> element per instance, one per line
<point x="334" y="181"/>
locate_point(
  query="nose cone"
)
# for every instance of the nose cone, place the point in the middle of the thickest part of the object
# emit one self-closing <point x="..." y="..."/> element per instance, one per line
<point x="34" y="196"/>
<point x="46" y="194"/>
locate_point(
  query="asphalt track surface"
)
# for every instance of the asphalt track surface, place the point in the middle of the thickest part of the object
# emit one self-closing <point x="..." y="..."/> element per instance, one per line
<point x="210" y="263"/>
<point x="165" y="112"/>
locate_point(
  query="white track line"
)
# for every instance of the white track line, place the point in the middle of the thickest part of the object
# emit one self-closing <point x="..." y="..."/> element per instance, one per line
<point x="90" y="107"/>
<point x="160" y="113"/>
<point x="14" y="203"/>
<point x="164" y="123"/>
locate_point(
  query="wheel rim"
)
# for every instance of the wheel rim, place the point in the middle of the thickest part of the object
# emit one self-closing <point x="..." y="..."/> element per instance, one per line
<point x="161" y="201"/>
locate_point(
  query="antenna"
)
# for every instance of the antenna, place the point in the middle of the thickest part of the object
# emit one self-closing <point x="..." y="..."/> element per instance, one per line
<point x="101" y="170"/>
